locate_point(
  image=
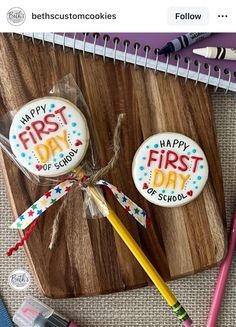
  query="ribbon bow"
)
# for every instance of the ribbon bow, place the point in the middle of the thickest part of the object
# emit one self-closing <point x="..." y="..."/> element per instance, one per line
<point x="30" y="216"/>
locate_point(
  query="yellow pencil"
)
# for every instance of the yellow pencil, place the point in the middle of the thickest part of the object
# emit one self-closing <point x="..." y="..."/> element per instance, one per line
<point x="122" y="231"/>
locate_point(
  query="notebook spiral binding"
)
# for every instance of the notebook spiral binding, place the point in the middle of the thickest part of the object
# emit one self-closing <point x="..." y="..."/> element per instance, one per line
<point x="44" y="39"/>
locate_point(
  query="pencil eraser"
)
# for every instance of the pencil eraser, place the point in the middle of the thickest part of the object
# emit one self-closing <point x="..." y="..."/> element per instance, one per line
<point x="187" y="323"/>
<point x="170" y="169"/>
<point x="49" y="136"/>
<point x="73" y="324"/>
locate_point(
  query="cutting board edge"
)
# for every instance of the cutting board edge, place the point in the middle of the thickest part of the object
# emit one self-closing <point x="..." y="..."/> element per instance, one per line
<point x="14" y="214"/>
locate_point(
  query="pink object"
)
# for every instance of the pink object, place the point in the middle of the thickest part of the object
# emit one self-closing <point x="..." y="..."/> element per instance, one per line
<point x="73" y="324"/>
<point x="34" y="313"/>
<point x="187" y="323"/>
<point x="223" y="276"/>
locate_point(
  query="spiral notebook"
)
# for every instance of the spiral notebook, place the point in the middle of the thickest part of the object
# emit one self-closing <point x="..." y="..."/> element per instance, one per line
<point x="140" y="49"/>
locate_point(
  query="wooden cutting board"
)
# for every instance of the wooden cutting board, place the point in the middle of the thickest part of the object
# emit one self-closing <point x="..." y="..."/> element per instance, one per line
<point x="89" y="257"/>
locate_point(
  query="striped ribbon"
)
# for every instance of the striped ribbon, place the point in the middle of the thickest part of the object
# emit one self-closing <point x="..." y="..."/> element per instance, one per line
<point x="61" y="189"/>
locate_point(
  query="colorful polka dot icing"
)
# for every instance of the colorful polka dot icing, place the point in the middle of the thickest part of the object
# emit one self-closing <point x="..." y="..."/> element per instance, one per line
<point x="49" y="136"/>
<point x="170" y="169"/>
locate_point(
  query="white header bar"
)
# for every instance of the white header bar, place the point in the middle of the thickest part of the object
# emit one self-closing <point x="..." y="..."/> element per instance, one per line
<point x="118" y="16"/>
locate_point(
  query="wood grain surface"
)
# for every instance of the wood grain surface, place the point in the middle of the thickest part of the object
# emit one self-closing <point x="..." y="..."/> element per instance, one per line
<point x="89" y="257"/>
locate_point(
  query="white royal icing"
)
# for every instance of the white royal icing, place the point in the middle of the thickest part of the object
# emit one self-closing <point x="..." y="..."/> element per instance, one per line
<point x="170" y="169"/>
<point x="49" y="136"/>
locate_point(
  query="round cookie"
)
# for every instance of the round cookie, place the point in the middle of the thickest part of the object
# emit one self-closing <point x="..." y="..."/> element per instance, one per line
<point x="169" y="169"/>
<point x="49" y="136"/>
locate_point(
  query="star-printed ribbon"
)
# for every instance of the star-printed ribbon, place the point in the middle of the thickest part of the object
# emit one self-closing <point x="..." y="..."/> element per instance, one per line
<point x="61" y="189"/>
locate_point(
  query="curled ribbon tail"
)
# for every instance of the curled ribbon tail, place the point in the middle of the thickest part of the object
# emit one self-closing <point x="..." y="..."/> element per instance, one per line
<point x="31" y="215"/>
